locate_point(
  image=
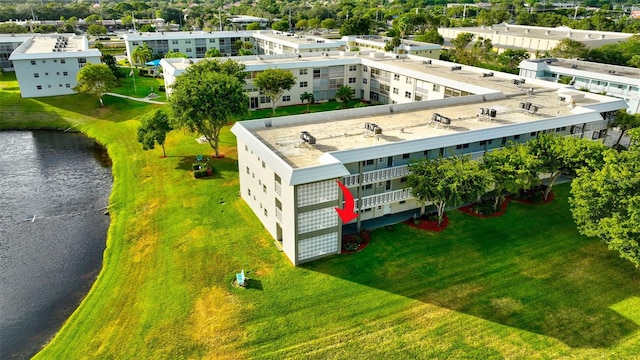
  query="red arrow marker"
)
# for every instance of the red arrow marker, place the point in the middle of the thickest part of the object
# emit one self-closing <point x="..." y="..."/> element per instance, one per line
<point x="347" y="213"/>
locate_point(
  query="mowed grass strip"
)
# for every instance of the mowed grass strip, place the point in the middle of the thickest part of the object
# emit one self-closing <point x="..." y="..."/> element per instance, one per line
<point x="524" y="285"/>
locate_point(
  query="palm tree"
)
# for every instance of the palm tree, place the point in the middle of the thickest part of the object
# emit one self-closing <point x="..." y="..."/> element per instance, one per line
<point x="306" y="96"/>
<point x="141" y="54"/>
<point x="212" y="52"/>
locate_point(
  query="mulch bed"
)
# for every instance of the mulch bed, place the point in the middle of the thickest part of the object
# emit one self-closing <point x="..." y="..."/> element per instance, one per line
<point x="365" y="236"/>
<point x="529" y="202"/>
<point x="501" y="210"/>
<point x="429" y="225"/>
<point x="220" y="156"/>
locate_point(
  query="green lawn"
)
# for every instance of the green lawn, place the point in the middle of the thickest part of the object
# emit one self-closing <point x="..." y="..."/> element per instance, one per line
<point x="524" y="285"/>
<point x="143" y="85"/>
<point x="298" y="109"/>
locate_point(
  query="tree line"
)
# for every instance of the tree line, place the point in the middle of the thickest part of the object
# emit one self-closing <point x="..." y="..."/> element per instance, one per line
<point x="605" y="192"/>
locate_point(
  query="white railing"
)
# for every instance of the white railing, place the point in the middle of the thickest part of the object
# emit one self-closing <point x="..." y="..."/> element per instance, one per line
<point x="277" y="187"/>
<point x="586" y="135"/>
<point x="598" y="125"/>
<point x="377" y="175"/>
<point x="279" y="214"/>
<point x="384" y="198"/>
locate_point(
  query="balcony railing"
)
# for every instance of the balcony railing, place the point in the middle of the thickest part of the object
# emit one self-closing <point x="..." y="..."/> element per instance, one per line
<point x="278" y="188"/>
<point x="279" y="214"/>
<point x="384" y="198"/>
<point x="377" y="175"/>
<point x="598" y="125"/>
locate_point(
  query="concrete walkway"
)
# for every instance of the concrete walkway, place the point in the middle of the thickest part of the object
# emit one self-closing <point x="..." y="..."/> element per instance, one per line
<point x="147" y="100"/>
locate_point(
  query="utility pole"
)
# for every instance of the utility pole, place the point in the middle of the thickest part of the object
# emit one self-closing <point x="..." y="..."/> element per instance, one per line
<point x="220" y="19"/>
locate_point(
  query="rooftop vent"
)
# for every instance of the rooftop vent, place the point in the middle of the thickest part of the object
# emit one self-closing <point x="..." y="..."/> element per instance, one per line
<point x="308" y="138"/>
<point x="457" y="67"/>
<point x="437" y="118"/>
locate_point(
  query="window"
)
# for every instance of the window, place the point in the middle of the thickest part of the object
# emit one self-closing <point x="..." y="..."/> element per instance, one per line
<point x="63" y="61"/>
<point x="264" y="188"/>
<point x="266" y="213"/>
<point x="249" y="192"/>
<point x="49" y="86"/>
<point x="462" y="146"/>
<point x="248" y="170"/>
<point x="436" y="88"/>
<point x="39" y="87"/>
<point x="135" y="43"/>
<point x="64" y="73"/>
<point x="316" y="73"/>
<point x="369" y="162"/>
<point x="515" y="137"/>
<point x="264" y="165"/>
<point x="286" y="98"/>
<point x="405" y="156"/>
<point x="536" y="133"/>
<point x="303" y="84"/>
<point x="365" y="68"/>
<point x="353" y="67"/>
<point x="395" y="90"/>
<point x="409" y="80"/>
<point x="418" y="97"/>
<point x="403" y="179"/>
<point x="59" y="85"/>
<point x="58" y="73"/>
<point x="366" y="187"/>
<point x="176" y="50"/>
<point x="45" y="61"/>
<point x="187" y="41"/>
<point x="46" y="74"/>
<point x="67" y="86"/>
<point x="352" y="80"/>
<point x="364" y="81"/>
<point x="246" y="148"/>
<point x="189" y="50"/>
<point x="407" y="94"/>
<point x="174" y="42"/>
<point x="396" y="77"/>
<point x="36" y="75"/>
<point x="211" y="41"/>
<point x="402" y="202"/>
<point x="33" y="62"/>
<point x="303" y="71"/>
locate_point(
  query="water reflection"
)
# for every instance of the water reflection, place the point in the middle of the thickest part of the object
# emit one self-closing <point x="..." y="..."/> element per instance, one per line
<point x="47" y="264"/>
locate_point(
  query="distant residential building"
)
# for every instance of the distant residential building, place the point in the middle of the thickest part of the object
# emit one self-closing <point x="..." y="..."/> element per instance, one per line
<point x="47" y="65"/>
<point x="241" y="21"/>
<point x="618" y="81"/>
<point x="536" y="40"/>
<point x="8" y="43"/>
<point x="378" y="43"/>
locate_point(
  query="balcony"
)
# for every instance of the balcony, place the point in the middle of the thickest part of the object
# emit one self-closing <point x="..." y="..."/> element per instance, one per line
<point x="598" y="125"/>
<point x="377" y="175"/>
<point x="278" y="188"/>
<point x="279" y="214"/>
<point x="384" y="198"/>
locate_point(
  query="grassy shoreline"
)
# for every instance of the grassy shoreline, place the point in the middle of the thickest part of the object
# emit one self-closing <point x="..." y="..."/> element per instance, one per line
<point x="483" y="288"/>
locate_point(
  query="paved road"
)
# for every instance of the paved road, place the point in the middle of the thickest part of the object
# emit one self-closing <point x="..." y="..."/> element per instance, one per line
<point x="147" y="100"/>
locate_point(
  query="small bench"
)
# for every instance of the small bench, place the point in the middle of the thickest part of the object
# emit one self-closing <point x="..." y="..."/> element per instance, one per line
<point x="242" y="280"/>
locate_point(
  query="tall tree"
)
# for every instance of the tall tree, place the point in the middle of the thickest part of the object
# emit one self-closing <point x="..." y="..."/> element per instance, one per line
<point x="624" y="122"/>
<point x="570" y="49"/>
<point x="213" y="53"/>
<point x="606" y="203"/>
<point x="141" y="54"/>
<point x="154" y="128"/>
<point x="273" y="83"/>
<point x="447" y="181"/>
<point x="512" y="168"/>
<point x="204" y="101"/>
<point x="111" y="62"/>
<point x="565" y="155"/>
<point x="308" y="97"/>
<point x="344" y="94"/>
<point x="95" y="79"/>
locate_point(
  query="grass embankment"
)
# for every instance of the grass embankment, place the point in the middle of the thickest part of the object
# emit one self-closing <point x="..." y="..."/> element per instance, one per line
<point x="524" y="285"/>
<point x="144" y="85"/>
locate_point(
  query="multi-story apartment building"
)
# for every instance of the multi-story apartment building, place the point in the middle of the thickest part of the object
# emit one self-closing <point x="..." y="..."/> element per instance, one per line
<point x="379" y="43"/>
<point x="373" y="76"/>
<point x="618" y="81"/>
<point x="290" y="166"/>
<point x="536" y="40"/>
<point x="47" y="65"/>
<point x="196" y="43"/>
<point x="8" y="43"/>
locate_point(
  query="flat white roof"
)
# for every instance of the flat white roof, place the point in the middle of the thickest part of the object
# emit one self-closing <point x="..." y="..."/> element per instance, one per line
<point x="47" y="46"/>
<point x="591" y="70"/>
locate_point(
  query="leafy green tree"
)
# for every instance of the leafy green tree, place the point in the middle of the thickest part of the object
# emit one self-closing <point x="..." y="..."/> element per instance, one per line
<point x="512" y="168"/>
<point x="282" y="25"/>
<point x="112" y="63"/>
<point x="153" y="129"/>
<point x="344" y="94"/>
<point x="172" y="54"/>
<point x="273" y="83"/>
<point x="447" y="181"/>
<point x="95" y="29"/>
<point x="204" y="101"/>
<point x="565" y="155"/>
<point x="328" y="24"/>
<point x="213" y="53"/>
<point x="605" y="203"/>
<point x="356" y="26"/>
<point x="95" y="79"/>
<point x="512" y="58"/>
<point x="431" y="36"/>
<point x="308" y="97"/>
<point x="93" y="19"/>
<point x="141" y="54"/>
<point x="302" y="24"/>
<point x="314" y="23"/>
<point x="570" y="49"/>
<point x="393" y="44"/>
<point x="624" y="122"/>
<point x="9" y="28"/>
<point x="253" y="26"/>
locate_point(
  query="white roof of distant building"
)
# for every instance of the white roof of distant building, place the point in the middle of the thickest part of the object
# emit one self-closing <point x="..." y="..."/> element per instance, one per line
<point x="579" y="68"/>
<point x="58" y="45"/>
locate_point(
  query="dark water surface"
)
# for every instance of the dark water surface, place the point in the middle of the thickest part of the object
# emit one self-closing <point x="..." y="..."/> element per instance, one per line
<point x="47" y="265"/>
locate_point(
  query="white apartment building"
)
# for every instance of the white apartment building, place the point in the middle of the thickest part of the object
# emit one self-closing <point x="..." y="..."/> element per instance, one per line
<point x="196" y="43"/>
<point x="47" y="65"/>
<point x="289" y="165"/>
<point x="378" y="43"/>
<point x="534" y="39"/>
<point x="618" y="81"/>
<point x="373" y="76"/>
<point x="8" y="43"/>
